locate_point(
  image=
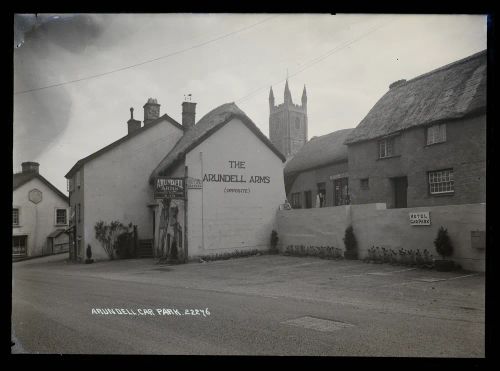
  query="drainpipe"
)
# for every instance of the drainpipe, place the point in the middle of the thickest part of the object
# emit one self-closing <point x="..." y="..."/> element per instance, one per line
<point x="202" y="215"/>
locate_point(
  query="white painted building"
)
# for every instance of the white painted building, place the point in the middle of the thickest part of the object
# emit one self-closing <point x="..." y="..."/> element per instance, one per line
<point x="222" y="214"/>
<point x="39" y="214"/>
<point x="112" y="183"/>
<point x="239" y="177"/>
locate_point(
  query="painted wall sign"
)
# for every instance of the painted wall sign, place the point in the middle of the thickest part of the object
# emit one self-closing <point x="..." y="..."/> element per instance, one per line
<point x="166" y="187"/>
<point x="420" y="218"/>
<point x="236" y="178"/>
<point x="35" y="196"/>
<point x="193" y="183"/>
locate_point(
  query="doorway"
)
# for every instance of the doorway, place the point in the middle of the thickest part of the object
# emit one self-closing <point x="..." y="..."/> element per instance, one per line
<point x="400" y="186"/>
<point x="341" y="192"/>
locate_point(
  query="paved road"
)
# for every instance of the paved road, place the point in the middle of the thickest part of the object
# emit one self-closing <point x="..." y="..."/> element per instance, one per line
<point x="52" y="313"/>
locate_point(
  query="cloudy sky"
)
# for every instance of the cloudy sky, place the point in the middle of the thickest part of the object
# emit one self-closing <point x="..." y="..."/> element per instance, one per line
<point x="347" y="62"/>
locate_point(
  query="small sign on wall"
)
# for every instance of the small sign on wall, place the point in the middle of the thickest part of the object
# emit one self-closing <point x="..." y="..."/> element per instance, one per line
<point x="193" y="183"/>
<point x="420" y="218"/>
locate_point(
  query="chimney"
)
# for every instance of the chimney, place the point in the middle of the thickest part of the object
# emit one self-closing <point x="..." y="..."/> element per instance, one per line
<point x="132" y="124"/>
<point x="30" y="167"/>
<point x="188" y="114"/>
<point x="151" y="111"/>
<point x="398" y="83"/>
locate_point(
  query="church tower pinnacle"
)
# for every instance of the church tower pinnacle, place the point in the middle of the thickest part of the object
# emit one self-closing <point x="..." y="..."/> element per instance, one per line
<point x="288" y="122"/>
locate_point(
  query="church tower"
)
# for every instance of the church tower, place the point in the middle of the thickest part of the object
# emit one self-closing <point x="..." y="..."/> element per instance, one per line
<point x="288" y="123"/>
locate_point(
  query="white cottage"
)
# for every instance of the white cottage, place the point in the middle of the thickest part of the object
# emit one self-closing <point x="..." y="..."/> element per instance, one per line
<point x="39" y="215"/>
<point x="234" y="181"/>
<point x="233" y="173"/>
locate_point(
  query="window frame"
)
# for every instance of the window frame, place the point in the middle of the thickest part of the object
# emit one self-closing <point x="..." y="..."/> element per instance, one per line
<point x="441" y="130"/>
<point x="386" y="141"/>
<point x="361" y="186"/>
<point x="56" y="222"/>
<point x="296" y="197"/>
<point x="451" y="180"/>
<point x="18" y="224"/>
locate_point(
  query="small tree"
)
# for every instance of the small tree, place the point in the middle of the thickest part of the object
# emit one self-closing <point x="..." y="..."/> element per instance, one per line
<point x="443" y="243"/>
<point x="107" y="234"/>
<point x="351" y="245"/>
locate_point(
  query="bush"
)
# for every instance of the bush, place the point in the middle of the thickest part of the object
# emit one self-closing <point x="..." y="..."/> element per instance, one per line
<point x="351" y="245"/>
<point x="443" y="243"/>
<point x="274" y="241"/>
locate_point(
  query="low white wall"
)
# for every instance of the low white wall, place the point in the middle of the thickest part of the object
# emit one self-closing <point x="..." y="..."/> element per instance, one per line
<point x="376" y="226"/>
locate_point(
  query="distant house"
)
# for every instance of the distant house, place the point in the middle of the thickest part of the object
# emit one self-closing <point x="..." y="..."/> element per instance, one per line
<point x="39" y="215"/>
<point x="424" y="141"/>
<point x="317" y="176"/>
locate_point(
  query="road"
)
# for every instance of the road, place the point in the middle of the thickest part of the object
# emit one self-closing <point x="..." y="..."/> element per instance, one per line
<point x="53" y="301"/>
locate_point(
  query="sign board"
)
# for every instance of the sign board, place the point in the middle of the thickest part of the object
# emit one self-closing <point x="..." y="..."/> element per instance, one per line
<point x="35" y="196"/>
<point x="193" y="183"/>
<point x="420" y="218"/>
<point x="166" y="187"/>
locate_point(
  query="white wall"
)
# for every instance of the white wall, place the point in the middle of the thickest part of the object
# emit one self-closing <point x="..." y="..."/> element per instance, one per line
<point x="374" y="225"/>
<point x="36" y="221"/>
<point x="219" y="221"/>
<point x="116" y="183"/>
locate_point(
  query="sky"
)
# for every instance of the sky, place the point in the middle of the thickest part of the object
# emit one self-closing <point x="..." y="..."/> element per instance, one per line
<point x="346" y="62"/>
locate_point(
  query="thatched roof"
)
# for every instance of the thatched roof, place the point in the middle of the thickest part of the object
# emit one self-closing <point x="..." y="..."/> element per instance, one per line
<point x="450" y="92"/>
<point x="320" y="151"/>
<point x="205" y="127"/>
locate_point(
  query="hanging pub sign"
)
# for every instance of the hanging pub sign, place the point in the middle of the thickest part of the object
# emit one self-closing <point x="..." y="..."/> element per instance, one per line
<point x="166" y="187"/>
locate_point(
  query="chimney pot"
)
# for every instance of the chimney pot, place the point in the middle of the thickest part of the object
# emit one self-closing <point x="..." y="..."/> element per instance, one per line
<point x="151" y="111"/>
<point x="132" y="124"/>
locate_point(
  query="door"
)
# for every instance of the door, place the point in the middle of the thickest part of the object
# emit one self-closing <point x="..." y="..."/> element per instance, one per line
<point x="400" y="186"/>
<point x="19" y="246"/>
<point x="308" y="199"/>
<point x="341" y="191"/>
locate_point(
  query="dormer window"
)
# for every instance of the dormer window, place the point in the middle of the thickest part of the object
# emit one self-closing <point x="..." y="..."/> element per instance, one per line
<point x="436" y="134"/>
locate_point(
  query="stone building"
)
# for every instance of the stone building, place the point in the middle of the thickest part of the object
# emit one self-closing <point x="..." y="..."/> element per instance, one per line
<point x="288" y="123"/>
<point x="424" y="141"/>
<point x="317" y="176"/>
<point x="39" y="214"/>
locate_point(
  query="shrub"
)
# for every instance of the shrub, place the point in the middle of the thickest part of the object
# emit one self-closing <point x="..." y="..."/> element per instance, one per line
<point x="443" y="243"/>
<point x="274" y="241"/>
<point x="351" y="245"/>
<point x="107" y="235"/>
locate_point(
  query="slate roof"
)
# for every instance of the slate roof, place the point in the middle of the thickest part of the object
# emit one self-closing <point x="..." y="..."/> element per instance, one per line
<point x="18" y="179"/>
<point x="82" y="161"/>
<point x="450" y="92"/>
<point x="205" y="127"/>
<point x="320" y="151"/>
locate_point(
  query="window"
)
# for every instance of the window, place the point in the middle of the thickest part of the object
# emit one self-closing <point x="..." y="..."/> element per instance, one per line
<point x="296" y="201"/>
<point x="341" y="192"/>
<point x="61" y="217"/>
<point x="436" y="134"/>
<point x="386" y="148"/>
<point x="15" y="216"/>
<point x="364" y="184"/>
<point x="441" y="181"/>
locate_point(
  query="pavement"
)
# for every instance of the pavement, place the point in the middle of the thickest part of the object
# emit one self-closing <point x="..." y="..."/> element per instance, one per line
<point x="261" y="305"/>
